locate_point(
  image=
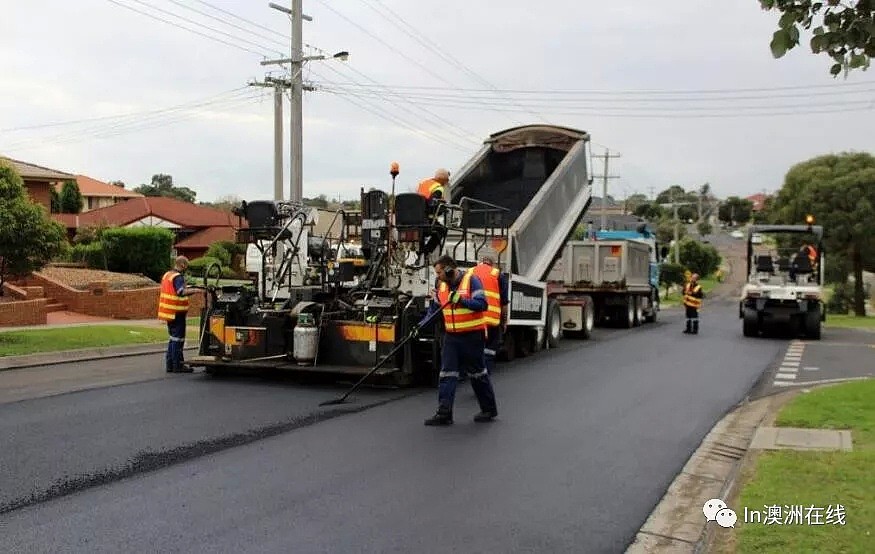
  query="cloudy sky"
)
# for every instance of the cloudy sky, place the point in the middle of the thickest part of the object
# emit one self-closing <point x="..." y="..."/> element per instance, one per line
<point x="94" y="87"/>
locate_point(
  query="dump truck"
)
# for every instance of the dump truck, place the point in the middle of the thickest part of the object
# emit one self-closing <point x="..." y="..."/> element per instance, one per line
<point x="784" y="288"/>
<point x="617" y="273"/>
<point x="519" y="199"/>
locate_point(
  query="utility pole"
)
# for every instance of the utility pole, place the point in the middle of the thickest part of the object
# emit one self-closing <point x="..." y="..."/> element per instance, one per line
<point x="296" y="84"/>
<point x="278" y="85"/>
<point x="607" y="156"/>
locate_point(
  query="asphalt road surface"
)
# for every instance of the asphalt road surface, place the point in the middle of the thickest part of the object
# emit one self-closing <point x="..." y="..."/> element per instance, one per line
<point x="589" y="437"/>
<point x="840" y="355"/>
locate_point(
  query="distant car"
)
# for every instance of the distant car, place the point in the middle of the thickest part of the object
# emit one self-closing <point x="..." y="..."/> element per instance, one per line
<point x="756" y="238"/>
<point x="736" y="234"/>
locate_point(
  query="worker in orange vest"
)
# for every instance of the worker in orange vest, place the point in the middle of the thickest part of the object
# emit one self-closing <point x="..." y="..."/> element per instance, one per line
<point x="464" y="298"/>
<point x="434" y="191"/>
<point x="496" y="287"/>
<point x="173" y="309"/>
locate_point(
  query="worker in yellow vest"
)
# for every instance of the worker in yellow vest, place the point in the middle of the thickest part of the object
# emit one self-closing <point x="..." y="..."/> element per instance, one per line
<point x="693" y="296"/>
<point x="434" y="190"/>
<point x="495" y="284"/>
<point x="173" y="309"/>
<point x="461" y="295"/>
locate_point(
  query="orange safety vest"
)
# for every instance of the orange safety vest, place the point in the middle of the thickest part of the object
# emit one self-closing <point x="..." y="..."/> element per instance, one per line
<point x="488" y="275"/>
<point x="428" y="187"/>
<point x="458" y="319"/>
<point x="812" y="253"/>
<point x="169" y="304"/>
<point x="689" y="299"/>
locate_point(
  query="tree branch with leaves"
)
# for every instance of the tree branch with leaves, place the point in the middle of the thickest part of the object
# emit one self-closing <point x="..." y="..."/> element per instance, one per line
<point x="844" y="31"/>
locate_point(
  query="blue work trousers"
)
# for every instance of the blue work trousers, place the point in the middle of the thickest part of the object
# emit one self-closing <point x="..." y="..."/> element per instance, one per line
<point x="464" y="352"/>
<point x="493" y="343"/>
<point x="176" y="329"/>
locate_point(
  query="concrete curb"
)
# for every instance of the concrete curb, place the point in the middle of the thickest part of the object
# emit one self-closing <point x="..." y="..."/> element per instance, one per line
<point x="73" y="356"/>
<point x="677" y="524"/>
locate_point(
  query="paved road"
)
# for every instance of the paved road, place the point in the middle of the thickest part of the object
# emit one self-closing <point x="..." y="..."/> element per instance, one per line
<point x="841" y="354"/>
<point x="589" y="437"/>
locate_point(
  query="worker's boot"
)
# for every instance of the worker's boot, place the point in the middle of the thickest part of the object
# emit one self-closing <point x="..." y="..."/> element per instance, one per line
<point x="485" y="416"/>
<point x="695" y="326"/>
<point x="689" y="328"/>
<point x="442" y="417"/>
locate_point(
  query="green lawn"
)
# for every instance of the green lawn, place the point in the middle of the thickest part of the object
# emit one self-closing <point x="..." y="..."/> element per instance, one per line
<point x="821" y="479"/>
<point x="674" y="298"/>
<point x="16" y="343"/>
<point x="850" y="321"/>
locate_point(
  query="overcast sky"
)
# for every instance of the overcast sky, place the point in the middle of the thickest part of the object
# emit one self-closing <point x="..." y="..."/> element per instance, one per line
<point x="67" y="61"/>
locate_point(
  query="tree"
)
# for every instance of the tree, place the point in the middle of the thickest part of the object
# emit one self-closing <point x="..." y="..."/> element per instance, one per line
<point x="119" y="184"/>
<point x="735" y="210"/>
<point x="665" y="231"/>
<point x="704" y="228"/>
<point x="29" y="238"/>
<point x="320" y="201"/>
<point x="162" y="185"/>
<point x="698" y="257"/>
<point x="226" y="203"/>
<point x="671" y="274"/>
<point x="71" y="200"/>
<point x="55" y="200"/>
<point x="839" y="190"/>
<point x="649" y="211"/>
<point x="634" y="201"/>
<point x="843" y="31"/>
<point x="688" y="200"/>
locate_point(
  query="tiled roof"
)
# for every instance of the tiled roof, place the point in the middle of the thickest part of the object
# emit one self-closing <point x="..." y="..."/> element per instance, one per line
<point x="184" y="214"/>
<point x="205" y="238"/>
<point x="93" y="187"/>
<point x="33" y="171"/>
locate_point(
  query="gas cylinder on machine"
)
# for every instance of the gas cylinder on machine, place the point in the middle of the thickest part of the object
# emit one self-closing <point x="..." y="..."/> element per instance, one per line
<point x="305" y="340"/>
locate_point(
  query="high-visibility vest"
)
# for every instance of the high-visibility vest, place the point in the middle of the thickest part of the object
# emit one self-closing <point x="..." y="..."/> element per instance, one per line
<point x="812" y="253"/>
<point x="689" y="299"/>
<point x="458" y="319"/>
<point x="488" y="275"/>
<point x="428" y="187"/>
<point x="169" y="304"/>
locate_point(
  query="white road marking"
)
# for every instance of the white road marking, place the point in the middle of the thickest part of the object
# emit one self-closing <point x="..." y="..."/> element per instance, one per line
<point x="785" y="376"/>
<point x="811" y="368"/>
<point x="820" y="382"/>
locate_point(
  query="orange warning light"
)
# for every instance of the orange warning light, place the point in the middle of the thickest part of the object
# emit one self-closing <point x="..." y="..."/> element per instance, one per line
<point x="499" y="244"/>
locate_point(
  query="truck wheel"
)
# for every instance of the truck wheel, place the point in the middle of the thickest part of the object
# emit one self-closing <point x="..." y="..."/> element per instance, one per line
<point x="628" y="319"/>
<point x="553" y="331"/>
<point x="639" y="311"/>
<point x="654" y="308"/>
<point x="750" y="326"/>
<point x="812" y="324"/>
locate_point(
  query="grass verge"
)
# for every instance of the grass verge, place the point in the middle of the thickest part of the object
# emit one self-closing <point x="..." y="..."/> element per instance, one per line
<point x="850" y="321"/>
<point x="17" y="343"/>
<point x="820" y="479"/>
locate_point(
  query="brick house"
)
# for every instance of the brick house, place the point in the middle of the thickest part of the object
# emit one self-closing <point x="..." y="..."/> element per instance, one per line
<point x="758" y="200"/>
<point x="97" y="194"/>
<point x="39" y="180"/>
<point x="195" y="227"/>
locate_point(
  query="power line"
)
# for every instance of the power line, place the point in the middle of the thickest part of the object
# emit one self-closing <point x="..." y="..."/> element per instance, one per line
<point x="454" y="95"/>
<point x="237" y="46"/>
<point x="117" y="116"/>
<point x="161" y="10"/>
<point x="401" y="23"/>
<point x="634" y="92"/>
<point x="286" y="37"/>
<point x="213" y="17"/>
<point x="630" y="111"/>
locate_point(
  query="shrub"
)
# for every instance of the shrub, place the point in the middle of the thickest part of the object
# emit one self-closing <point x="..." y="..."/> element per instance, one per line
<point x="220" y="252"/>
<point x="92" y="254"/>
<point x="698" y="257"/>
<point x="198" y="266"/>
<point x="671" y="274"/>
<point x="144" y="250"/>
